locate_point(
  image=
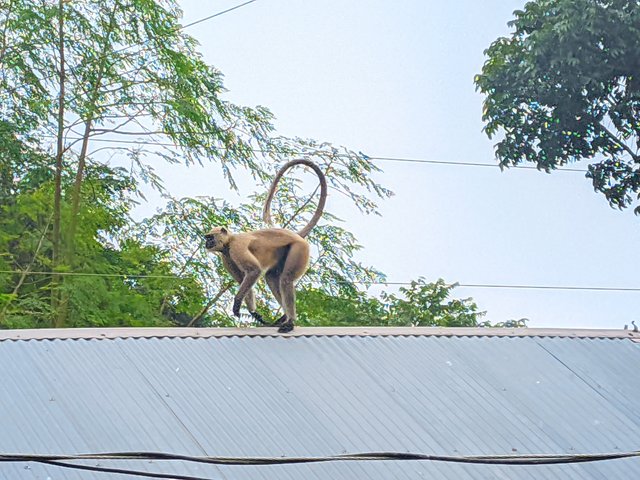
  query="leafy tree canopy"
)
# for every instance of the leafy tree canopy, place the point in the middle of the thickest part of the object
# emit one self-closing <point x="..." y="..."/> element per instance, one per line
<point x="565" y="86"/>
<point x="420" y="304"/>
<point x="92" y="96"/>
<point x="87" y="88"/>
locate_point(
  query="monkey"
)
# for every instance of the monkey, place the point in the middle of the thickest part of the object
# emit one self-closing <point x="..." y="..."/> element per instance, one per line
<point x="280" y="255"/>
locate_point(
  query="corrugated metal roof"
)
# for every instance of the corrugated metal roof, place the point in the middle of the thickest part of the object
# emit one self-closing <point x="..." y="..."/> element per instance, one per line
<point x="102" y="333"/>
<point x="323" y="395"/>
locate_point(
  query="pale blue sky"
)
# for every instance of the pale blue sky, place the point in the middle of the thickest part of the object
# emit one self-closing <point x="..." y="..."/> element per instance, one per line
<point x="396" y="79"/>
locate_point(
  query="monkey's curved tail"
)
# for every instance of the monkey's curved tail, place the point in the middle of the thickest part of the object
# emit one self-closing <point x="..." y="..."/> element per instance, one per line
<point x="266" y="213"/>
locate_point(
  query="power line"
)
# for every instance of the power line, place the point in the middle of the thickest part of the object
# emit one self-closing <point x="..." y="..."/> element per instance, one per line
<point x="216" y="15"/>
<point x="521" y="459"/>
<point x="470" y="164"/>
<point x="89" y="274"/>
<point x="521" y="287"/>
<point x="467" y="285"/>
<point x="551" y="287"/>
<point x="124" y="471"/>
<point x="388" y="159"/>
<point x="527" y="287"/>
<point x="128" y="47"/>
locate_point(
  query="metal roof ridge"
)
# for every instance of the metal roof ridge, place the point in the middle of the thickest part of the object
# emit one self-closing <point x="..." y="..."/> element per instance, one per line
<point x="182" y="332"/>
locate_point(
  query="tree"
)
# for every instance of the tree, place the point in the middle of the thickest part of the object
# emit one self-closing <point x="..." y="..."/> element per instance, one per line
<point x="427" y="305"/>
<point x="89" y="85"/>
<point x="421" y="304"/>
<point x="97" y="294"/>
<point x="565" y="86"/>
<point x="319" y="309"/>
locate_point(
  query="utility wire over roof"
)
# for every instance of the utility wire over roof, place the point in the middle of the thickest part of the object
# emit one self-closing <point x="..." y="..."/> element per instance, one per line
<point x="66" y="461"/>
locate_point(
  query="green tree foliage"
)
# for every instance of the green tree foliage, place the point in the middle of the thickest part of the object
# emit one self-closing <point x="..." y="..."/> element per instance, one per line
<point x="103" y="296"/>
<point x="74" y="74"/>
<point x="88" y="86"/>
<point x="317" y="308"/>
<point x="428" y="304"/>
<point x="170" y="279"/>
<point x="565" y="86"/>
<point x="421" y="304"/>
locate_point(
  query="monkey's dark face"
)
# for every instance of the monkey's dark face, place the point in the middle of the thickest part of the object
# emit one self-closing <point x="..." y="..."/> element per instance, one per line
<point x="217" y="239"/>
<point x="209" y="241"/>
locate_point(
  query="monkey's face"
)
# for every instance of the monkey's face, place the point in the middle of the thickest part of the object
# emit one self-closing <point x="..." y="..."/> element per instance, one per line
<point x="217" y="239"/>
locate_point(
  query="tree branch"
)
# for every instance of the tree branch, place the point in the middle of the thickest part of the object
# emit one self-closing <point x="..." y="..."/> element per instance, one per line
<point x="104" y="131"/>
<point x="209" y="304"/>
<point x="26" y="270"/>
<point x="3" y="49"/>
<point x="625" y="147"/>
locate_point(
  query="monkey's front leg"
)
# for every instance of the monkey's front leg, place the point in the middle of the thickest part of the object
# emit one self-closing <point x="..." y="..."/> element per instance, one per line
<point x="250" y="301"/>
<point x="250" y="298"/>
<point x="249" y="280"/>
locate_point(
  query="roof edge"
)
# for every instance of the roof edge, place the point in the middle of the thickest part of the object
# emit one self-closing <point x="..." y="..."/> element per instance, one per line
<point x="179" y="332"/>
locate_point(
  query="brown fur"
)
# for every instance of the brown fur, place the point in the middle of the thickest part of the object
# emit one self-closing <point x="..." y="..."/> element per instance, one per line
<point x="282" y="256"/>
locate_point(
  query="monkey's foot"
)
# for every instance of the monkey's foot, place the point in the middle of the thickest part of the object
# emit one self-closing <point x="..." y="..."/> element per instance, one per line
<point x="236" y="308"/>
<point x="281" y="321"/>
<point x="286" y="327"/>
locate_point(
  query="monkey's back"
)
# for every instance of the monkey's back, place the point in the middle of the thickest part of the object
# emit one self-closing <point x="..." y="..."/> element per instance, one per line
<point x="279" y="236"/>
<point x="269" y="246"/>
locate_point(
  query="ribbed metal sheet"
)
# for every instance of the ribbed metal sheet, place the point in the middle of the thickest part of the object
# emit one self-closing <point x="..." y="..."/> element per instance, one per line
<point x="296" y="396"/>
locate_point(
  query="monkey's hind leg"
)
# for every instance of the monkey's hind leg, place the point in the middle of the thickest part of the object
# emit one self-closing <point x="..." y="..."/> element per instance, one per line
<point x="287" y="321"/>
<point x="294" y="267"/>
<point x="272" y="278"/>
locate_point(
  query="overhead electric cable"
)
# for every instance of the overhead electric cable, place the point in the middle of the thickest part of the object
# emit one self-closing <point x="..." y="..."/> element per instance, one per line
<point x="388" y="159"/>
<point x="519" y="459"/>
<point x="123" y="471"/>
<point x="216" y="15"/>
<point x="552" y="287"/>
<point x="128" y="47"/>
<point x="89" y="274"/>
<point x="524" y="287"/>
<point x="470" y="164"/>
<point x="468" y="285"/>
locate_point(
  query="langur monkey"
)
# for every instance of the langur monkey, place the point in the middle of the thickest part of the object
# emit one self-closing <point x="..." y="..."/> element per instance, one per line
<point x="282" y="256"/>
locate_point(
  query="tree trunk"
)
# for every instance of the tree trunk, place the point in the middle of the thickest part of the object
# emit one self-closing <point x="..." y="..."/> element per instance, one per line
<point x="82" y="159"/>
<point x="76" y="194"/>
<point x="57" y="198"/>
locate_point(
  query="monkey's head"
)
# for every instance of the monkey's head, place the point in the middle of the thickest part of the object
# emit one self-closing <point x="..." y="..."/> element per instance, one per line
<point x="217" y="239"/>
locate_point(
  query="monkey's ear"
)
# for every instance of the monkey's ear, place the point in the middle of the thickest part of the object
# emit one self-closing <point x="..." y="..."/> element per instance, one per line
<point x="224" y="230"/>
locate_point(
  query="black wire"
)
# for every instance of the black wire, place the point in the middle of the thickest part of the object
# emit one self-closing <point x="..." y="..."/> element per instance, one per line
<point x="471" y="164"/>
<point x="523" y="459"/>
<point x="551" y="287"/>
<point x="363" y="282"/>
<point x="216" y="15"/>
<point x="125" y="471"/>
<point x="526" y="459"/>
<point x="383" y="159"/>
<point x="123" y="49"/>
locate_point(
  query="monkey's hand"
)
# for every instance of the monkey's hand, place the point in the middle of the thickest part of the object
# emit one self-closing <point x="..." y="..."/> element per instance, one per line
<point x="236" y="307"/>
<point x="258" y="318"/>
